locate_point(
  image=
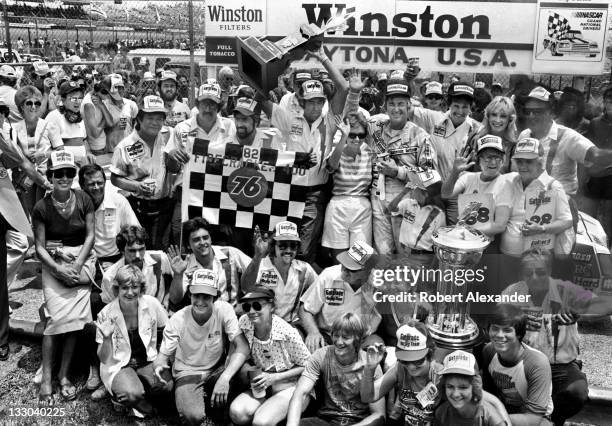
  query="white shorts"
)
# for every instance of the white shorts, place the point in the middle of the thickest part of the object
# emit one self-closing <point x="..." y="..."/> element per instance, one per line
<point x="347" y="219"/>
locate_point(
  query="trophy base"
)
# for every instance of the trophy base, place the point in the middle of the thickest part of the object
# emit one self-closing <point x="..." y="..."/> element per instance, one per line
<point x="465" y="339"/>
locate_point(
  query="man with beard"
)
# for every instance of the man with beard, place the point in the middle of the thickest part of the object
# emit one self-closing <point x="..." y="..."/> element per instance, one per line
<point x="122" y="111"/>
<point x="168" y="90"/>
<point x="275" y="267"/>
<point x="227" y="262"/>
<point x="206" y="124"/>
<point x="339" y="289"/>
<point x="155" y="265"/>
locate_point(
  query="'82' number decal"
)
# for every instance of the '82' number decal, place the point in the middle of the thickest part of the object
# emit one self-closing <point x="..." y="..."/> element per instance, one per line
<point x="542" y="220"/>
<point x="247" y="187"/>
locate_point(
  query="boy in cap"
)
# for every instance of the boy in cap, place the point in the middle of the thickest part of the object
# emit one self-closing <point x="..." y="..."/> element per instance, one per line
<point x="338" y="289"/>
<point x="168" y="90"/>
<point x="138" y="167"/>
<point x="122" y="111"/>
<point x="197" y="337"/>
<point x="206" y="124"/>
<point x="274" y="266"/>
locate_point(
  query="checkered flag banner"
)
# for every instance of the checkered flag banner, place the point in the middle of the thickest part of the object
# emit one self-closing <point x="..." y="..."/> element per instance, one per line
<point x="240" y="186"/>
<point x="558" y="26"/>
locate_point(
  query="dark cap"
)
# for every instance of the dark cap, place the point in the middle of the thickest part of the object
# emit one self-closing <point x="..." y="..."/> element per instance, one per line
<point x="460" y="88"/>
<point x="69" y="87"/>
<point x="259" y="293"/>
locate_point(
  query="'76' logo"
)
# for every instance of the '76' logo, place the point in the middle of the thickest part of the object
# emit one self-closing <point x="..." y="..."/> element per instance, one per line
<point x="247" y="187"/>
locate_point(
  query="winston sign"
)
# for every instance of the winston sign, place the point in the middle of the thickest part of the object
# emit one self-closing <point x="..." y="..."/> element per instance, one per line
<point x="470" y="36"/>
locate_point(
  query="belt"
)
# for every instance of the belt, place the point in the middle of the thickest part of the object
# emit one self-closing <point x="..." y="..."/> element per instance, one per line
<point x="417" y="251"/>
<point x="151" y="206"/>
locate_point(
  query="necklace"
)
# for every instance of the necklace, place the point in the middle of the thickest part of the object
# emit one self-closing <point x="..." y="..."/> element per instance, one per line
<point x="62" y="206"/>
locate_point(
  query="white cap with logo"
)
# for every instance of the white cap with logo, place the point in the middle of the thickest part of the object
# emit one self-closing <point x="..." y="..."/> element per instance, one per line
<point x="529" y="149"/>
<point x="356" y="257"/>
<point x="540" y="94"/>
<point x="62" y="160"/>
<point x="491" y="142"/>
<point x="204" y="281"/>
<point x="286" y="231"/>
<point x="411" y="342"/>
<point x="459" y="362"/>
<point x="210" y="91"/>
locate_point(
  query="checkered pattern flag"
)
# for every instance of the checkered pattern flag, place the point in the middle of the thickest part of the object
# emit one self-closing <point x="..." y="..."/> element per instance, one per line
<point x="242" y="187"/>
<point x="558" y="26"/>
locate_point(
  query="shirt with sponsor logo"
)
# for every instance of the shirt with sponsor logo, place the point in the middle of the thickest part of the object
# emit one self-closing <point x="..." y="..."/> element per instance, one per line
<point x="564" y="149"/>
<point x="135" y="160"/>
<point x="286" y="293"/>
<point x="512" y="239"/>
<point x="176" y="112"/>
<point x="523" y="387"/>
<point x="197" y="349"/>
<point x="446" y="139"/>
<point x="418" y="224"/>
<point x="330" y="297"/>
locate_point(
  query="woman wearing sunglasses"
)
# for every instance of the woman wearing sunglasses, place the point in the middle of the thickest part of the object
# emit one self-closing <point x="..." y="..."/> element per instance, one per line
<point x="63" y="224"/>
<point x="278" y="351"/>
<point x="414" y="377"/>
<point x="68" y="122"/>
<point x="34" y="136"/>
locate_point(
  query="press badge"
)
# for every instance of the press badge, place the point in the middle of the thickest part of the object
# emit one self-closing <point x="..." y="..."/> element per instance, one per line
<point x="135" y="151"/>
<point x="427" y="395"/>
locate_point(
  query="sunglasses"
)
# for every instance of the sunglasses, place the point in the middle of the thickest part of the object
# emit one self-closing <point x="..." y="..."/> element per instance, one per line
<point x="416" y="363"/>
<point x="61" y="173"/>
<point x="285" y="245"/>
<point x="434" y="97"/>
<point x="31" y="104"/>
<point x="257" y="306"/>
<point x="357" y="135"/>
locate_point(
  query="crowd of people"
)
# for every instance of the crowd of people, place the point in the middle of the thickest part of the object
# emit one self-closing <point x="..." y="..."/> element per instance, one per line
<point x="259" y="326"/>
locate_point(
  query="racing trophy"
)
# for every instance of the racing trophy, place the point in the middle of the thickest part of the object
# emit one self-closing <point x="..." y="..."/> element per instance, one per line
<point x="458" y="249"/>
<point x="261" y="61"/>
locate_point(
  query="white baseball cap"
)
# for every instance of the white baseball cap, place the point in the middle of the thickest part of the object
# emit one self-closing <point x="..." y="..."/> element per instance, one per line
<point x="152" y="103"/>
<point x="204" y="281"/>
<point x="313" y="89"/>
<point x="490" y="141"/>
<point x="411" y="342"/>
<point x="529" y="149"/>
<point x="286" y="231"/>
<point x="356" y="257"/>
<point x="540" y="94"/>
<point x="167" y="75"/>
<point x="210" y="91"/>
<point x="41" y="68"/>
<point x="459" y="362"/>
<point x="62" y="160"/>
<point x="433" y="88"/>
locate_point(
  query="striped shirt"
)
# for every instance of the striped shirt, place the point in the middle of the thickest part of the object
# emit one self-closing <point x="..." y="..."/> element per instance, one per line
<point x="354" y="175"/>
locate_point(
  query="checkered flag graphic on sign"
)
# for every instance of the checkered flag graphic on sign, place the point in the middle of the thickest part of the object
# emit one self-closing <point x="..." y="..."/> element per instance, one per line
<point x="558" y="26"/>
<point x="224" y="187"/>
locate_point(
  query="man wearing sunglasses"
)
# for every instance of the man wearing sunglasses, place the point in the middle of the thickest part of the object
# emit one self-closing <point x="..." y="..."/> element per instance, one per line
<point x="564" y="148"/>
<point x="553" y="307"/>
<point x="275" y="267"/>
<point x="198" y="337"/>
<point x="339" y="289"/>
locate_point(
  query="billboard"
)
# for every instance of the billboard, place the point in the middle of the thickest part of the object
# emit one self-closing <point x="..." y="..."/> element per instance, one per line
<point x="461" y="36"/>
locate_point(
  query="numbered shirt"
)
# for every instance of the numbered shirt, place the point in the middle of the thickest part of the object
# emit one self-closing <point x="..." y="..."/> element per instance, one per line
<point x="561" y="296"/>
<point x="447" y="140"/>
<point x="478" y="199"/>
<point x="133" y="159"/>
<point x="330" y="297"/>
<point x="564" y="149"/>
<point x="176" y="112"/>
<point x="114" y="213"/>
<point x="512" y="242"/>
<point x="198" y="348"/>
<point x="151" y="316"/>
<point x="286" y="294"/>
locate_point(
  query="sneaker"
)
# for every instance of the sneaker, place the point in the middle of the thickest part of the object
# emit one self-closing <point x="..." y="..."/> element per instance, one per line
<point x="100" y="394"/>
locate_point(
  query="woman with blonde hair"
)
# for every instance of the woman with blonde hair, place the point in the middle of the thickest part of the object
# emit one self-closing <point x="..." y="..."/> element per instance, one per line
<point x="499" y="120"/>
